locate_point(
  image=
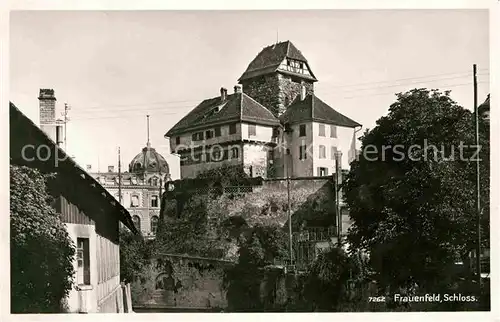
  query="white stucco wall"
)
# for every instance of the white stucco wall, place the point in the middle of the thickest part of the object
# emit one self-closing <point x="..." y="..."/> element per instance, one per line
<point x="89" y="295"/>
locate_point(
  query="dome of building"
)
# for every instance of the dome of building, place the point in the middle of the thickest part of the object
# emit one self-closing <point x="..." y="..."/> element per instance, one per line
<point x="149" y="161"/>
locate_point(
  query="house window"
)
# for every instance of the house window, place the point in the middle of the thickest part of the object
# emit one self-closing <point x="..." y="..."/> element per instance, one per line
<point x="322" y="130"/>
<point x="154" y="201"/>
<point x="209" y="134"/>
<point x="154" y="224"/>
<point x="177" y="140"/>
<point x="83" y="260"/>
<point x="235" y="153"/>
<point x="302" y="152"/>
<point x="198" y="136"/>
<point x="322" y="172"/>
<point x="302" y="130"/>
<point x="252" y="131"/>
<point x="333" y="131"/>
<point x="217" y="131"/>
<point x="322" y="152"/>
<point x="154" y="181"/>
<point x="333" y="151"/>
<point x="137" y="222"/>
<point x="232" y="129"/>
<point x="134" y="201"/>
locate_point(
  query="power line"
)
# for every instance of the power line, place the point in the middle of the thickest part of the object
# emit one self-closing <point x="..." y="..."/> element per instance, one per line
<point x="404" y="79"/>
<point x="176" y="113"/>
<point x="402" y="84"/>
<point x="111" y="107"/>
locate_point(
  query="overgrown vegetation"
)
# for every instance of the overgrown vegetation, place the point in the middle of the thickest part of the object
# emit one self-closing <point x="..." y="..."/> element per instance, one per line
<point x="41" y="251"/>
<point x="414" y="211"/>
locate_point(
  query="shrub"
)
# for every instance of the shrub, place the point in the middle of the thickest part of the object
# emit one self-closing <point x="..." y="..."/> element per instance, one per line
<point x="41" y="250"/>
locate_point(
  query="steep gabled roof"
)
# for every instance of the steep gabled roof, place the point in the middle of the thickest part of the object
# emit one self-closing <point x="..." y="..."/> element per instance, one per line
<point x="314" y="109"/>
<point x="23" y="132"/>
<point x="210" y="112"/>
<point x="270" y="58"/>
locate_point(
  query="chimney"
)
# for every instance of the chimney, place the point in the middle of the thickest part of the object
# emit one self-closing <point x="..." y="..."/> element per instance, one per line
<point x="302" y="92"/>
<point x="223" y="94"/>
<point x="47" y="102"/>
<point x="238" y="89"/>
<point x="59" y="135"/>
<point x="111" y="168"/>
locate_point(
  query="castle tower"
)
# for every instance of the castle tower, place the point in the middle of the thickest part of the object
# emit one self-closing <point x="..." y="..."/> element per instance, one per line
<point x="277" y="77"/>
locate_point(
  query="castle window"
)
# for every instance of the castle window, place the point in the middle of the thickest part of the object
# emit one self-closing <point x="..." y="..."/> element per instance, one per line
<point x="322" y="152"/>
<point x="198" y="136"/>
<point x="302" y="152"/>
<point x="177" y="140"/>
<point x="217" y="155"/>
<point x="209" y="134"/>
<point x="322" y="172"/>
<point x="334" y="151"/>
<point x="333" y="131"/>
<point x="302" y="130"/>
<point x="232" y="129"/>
<point x="154" y="224"/>
<point x="252" y="130"/>
<point x="217" y="131"/>
<point x="322" y="130"/>
<point x="134" y="201"/>
<point x="235" y="153"/>
<point x="154" y="201"/>
<point x="137" y="222"/>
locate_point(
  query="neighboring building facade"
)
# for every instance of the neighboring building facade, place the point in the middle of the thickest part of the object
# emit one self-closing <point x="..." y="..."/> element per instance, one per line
<point x="141" y="188"/>
<point x="274" y="118"/>
<point x="92" y="216"/>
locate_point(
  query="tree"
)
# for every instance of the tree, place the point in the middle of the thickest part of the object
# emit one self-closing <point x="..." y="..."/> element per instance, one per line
<point x="41" y="250"/>
<point x="412" y="206"/>
<point x="135" y="254"/>
<point x="326" y="284"/>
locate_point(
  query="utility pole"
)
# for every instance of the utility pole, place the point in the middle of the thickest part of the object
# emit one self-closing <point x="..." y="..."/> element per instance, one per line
<point x="119" y="177"/>
<point x="338" y="211"/>
<point x="478" y="191"/>
<point x="289" y="219"/>
<point x="65" y="122"/>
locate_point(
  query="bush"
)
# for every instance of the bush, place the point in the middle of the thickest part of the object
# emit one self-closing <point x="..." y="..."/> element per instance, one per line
<point x="41" y="250"/>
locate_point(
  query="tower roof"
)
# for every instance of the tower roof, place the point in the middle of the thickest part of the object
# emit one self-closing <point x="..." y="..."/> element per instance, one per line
<point x="148" y="160"/>
<point x="314" y="109"/>
<point x="270" y="58"/>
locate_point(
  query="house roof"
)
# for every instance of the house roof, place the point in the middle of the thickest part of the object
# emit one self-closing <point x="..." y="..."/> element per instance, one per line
<point x="23" y="132"/>
<point x="270" y="58"/>
<point x="236" y="108"/>
<point x="314" y="109"/>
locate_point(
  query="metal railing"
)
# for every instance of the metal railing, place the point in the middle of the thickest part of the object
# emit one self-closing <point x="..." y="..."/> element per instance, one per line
<point x="315" y="234"/>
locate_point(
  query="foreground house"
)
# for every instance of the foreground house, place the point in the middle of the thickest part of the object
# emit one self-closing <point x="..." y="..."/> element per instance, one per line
<point x="92" y="215"/>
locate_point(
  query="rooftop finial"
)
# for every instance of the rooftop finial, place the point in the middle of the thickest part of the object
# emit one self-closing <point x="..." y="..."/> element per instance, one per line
<point x="148" y="144"/>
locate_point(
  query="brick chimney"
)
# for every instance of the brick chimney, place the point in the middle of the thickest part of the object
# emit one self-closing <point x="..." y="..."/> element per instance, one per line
<point x="47" y="102"/>
<point x="238" y="89"/>
<point x="223" y="94"/>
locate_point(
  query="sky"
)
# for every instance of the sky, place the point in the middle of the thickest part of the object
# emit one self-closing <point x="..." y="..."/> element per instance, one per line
<point x="113" y="68"/>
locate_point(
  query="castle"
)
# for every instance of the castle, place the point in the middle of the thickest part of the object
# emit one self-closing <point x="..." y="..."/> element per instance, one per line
<point x="273" y="125"/>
